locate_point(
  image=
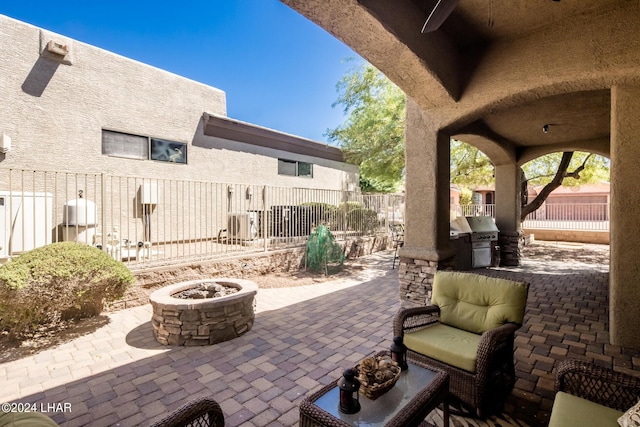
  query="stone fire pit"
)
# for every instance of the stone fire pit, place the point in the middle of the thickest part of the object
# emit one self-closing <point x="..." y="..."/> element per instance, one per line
<point x="202" y="321"/>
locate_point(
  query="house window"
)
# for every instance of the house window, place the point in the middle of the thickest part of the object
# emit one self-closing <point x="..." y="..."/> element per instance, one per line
<point x="293" y="168"/>
<point x="130" y="146"/>
<point x="168" y="151"/>
<point x="305" y="169"/>
<point x="125" y="145"/>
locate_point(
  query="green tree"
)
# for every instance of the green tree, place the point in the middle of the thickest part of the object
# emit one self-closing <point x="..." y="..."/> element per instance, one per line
<point x="584" y="167"/>
<point x="556" y="169"/>
<point x="372" y="135"/>
<point x="468" y="166"/>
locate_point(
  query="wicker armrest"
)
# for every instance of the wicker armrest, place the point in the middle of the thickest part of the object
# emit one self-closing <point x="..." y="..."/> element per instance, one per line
<point x="199" y="412"/>
<point x="601" y="385"/>
<point x="407" y="319"/>
<point x="496" y="343"/>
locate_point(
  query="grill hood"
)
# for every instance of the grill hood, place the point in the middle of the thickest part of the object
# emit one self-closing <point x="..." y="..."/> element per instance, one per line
<point x="460" y="225"/>
<point x="481" y="224"/>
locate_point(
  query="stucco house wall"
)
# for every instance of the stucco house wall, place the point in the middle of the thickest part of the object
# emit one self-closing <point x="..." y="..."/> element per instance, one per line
<point x="54" y="109"/>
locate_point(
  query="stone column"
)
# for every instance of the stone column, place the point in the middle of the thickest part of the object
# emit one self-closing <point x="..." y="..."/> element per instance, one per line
<point x="426" y="246"/>
<point x="508" y="188"/>
<point x="624" y="273"/>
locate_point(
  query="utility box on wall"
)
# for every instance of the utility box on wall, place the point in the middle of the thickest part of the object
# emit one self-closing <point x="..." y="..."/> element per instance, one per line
<point x="25" y="221"/>
<point x="149" y="193"/>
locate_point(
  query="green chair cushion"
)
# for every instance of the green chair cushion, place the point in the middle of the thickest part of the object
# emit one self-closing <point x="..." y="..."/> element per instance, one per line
<point x="572" y="411"/>
<point x="25" y="419"/>
<point x="478" y="303"/>
<point x="449" y="345"/>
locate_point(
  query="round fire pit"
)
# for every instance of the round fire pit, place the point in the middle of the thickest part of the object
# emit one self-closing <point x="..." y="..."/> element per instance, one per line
<point x="203" y="320"/>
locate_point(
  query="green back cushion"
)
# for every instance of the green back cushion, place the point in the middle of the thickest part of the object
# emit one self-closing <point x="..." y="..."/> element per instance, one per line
<point x="572" y="411"/>
<point x="478" y="303"/>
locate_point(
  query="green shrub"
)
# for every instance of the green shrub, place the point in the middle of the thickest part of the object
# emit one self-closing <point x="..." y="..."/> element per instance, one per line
<point x="362" y="219"/>
<point x="59" y="281"/>
<point x="351" y="206"/>
<point x="324" y="213"/>
<point x="349" y="215"/>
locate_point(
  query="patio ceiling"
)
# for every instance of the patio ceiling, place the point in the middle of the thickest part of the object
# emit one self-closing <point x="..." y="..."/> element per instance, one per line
<point x="537" y="62"/>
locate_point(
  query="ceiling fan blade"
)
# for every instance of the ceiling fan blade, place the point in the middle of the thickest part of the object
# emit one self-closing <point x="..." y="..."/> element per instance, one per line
<point x="438" y="15"/>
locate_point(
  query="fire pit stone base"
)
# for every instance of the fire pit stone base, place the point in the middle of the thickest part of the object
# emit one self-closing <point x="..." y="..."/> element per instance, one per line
<point x="191" y="322"/>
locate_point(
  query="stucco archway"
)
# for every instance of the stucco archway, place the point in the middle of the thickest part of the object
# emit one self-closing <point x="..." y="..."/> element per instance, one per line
<point x="572" y="65"/>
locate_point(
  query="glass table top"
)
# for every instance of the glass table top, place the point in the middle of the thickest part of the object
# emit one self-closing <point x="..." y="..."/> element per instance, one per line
<point x="380" y="411"/>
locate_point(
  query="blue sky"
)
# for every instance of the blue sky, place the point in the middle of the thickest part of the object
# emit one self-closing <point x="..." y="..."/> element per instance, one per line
<point x="278" y="69"/>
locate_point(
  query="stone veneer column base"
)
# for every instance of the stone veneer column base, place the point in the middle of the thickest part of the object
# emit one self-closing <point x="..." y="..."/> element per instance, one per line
<point x="510" y="244"/>
<point x="416" y="279"/>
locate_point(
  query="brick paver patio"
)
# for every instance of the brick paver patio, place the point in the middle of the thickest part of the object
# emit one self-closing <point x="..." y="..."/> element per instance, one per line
<point x="117" y="375"/>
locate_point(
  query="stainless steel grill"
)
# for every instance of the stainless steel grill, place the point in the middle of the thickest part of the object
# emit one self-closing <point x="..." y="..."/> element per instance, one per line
<point x="474" y="238"/>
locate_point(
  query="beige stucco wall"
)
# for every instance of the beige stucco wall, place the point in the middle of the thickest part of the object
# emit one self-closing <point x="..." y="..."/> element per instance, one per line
<point x="580" y="236"/>
<point x="624" y="271"/>
<point x="54" y="114"/>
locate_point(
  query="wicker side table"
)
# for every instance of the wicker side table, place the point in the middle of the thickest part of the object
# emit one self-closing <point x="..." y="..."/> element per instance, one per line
<point x="419" y="391"/>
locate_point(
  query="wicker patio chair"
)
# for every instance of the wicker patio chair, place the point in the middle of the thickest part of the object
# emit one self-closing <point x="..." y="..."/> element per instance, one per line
<point x="468" y="331"/>
<point x="202" y="412"/>
<point x="607" y="395"/>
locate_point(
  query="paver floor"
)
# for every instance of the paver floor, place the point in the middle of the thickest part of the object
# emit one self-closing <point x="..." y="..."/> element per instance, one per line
<point x="118" y="375"/>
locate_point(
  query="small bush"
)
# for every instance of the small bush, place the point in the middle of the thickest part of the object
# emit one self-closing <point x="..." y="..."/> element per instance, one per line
<point x="351" y="206"/>
<point x="349" y="215"/>
<point x="362" y="219"/>
<point x="59" y="281"/>
<point x="325" y="213"/>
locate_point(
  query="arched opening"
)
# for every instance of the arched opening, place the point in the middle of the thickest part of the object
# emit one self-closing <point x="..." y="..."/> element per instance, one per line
<point x="472" y="176"/>
<point x="566" y="197"/>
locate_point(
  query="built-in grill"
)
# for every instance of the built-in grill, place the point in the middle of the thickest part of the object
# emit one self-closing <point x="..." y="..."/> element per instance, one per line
<point x="474" y="238"/>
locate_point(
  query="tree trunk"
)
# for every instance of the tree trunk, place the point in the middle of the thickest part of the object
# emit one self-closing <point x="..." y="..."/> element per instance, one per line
<point x="556" y="182"/>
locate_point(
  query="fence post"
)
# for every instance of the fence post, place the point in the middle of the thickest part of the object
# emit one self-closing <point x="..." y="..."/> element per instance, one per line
<point x="265" y="226"/>
<point x="345" y="197"/>
<point x="103" y="210"/>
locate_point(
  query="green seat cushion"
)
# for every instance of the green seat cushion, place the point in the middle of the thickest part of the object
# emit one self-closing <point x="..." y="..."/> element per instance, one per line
<point x="478" y="303"/>
<point x="572" y="411"/>
<point x="449" y="345"/>
<point x="25" y="419"/>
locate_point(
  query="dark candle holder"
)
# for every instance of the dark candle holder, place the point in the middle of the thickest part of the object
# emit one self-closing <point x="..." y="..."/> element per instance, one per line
<point x="399" y="353"/>
<point x="349" y="397"/>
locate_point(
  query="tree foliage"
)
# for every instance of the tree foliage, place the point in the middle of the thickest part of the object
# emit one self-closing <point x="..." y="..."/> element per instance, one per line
<point x="540" y="171"/>
<point x="372" y="135"/>
<point x="469" y="167"/>
<point x="553" y="170"/>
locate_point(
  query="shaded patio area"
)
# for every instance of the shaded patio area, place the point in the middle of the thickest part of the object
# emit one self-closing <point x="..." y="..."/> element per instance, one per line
<point x="302" y="339"/>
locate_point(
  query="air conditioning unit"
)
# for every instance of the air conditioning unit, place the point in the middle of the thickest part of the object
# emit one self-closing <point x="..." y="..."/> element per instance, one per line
<point x="242" y="226"/>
